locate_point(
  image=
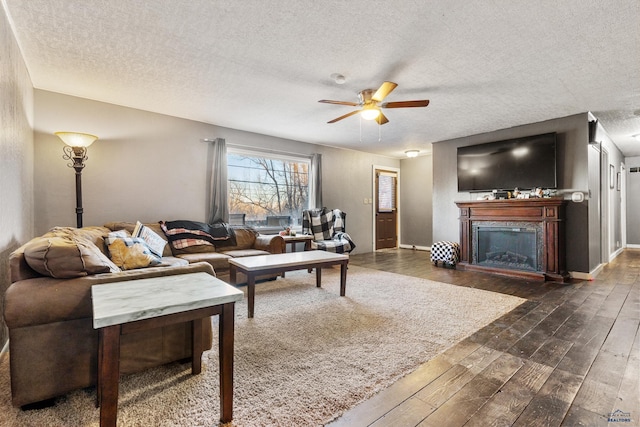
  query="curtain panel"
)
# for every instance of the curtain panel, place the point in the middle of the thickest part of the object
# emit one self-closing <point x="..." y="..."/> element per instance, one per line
<point x="219" y="208"/>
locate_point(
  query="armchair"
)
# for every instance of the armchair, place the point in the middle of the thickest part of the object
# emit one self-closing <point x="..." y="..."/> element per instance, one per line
<point x="327" y="226"/>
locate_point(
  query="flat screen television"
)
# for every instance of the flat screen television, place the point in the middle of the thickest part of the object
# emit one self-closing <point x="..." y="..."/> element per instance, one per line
<point x="523" y="163"/>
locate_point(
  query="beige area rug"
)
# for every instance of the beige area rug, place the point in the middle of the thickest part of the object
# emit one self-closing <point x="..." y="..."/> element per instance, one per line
<point x="306" y="357"/>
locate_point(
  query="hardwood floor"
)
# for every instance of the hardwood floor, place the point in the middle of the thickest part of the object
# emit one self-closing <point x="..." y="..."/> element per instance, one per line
<point x="569" y="356"/>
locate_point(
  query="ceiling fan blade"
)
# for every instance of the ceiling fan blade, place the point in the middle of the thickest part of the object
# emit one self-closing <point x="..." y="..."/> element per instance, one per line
<point x="384" y="90"/>
<point x="345" y="116"/>
<point x="382" y="119"/>
<point x="405" y="104"/>
<point x="328" y="101"/>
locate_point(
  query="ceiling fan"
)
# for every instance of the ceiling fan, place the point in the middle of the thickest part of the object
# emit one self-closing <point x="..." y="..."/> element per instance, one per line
<point x="371" y="103"/>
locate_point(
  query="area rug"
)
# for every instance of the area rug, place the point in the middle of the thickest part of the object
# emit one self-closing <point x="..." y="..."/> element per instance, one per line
<point x="307" y="356"/>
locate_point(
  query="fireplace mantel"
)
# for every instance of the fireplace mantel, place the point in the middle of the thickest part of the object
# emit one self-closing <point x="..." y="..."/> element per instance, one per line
<point x="548" y="213"/>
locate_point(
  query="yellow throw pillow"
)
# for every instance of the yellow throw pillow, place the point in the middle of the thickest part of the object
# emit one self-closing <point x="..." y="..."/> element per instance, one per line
<point x="129" y="257"/>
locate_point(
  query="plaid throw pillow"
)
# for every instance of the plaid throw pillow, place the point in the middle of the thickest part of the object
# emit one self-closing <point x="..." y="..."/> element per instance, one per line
<point x="322" y="225"/>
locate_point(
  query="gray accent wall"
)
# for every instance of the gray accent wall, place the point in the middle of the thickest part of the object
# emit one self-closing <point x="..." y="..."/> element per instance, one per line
<point x="416" y="214"/>
<point x="16" y="156"/>
<point x="633" y="201"/>
<point x="150" y="167"/>
<point x="613" y="193"/>
<point x="573" y="175"/>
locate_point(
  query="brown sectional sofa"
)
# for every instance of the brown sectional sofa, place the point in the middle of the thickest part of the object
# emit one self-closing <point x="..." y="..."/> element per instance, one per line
<point x="52" y="343"/>
<point x="248" y="243"/>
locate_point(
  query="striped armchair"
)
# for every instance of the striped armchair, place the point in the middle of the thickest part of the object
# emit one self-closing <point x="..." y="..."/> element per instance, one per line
<point x="327" y="226"/>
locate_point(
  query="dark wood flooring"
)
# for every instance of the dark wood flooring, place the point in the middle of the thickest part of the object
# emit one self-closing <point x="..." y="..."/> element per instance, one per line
<point x="569" y="356"/>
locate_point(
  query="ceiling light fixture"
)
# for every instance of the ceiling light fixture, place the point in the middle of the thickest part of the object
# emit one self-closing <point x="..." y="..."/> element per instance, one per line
<point x="370" y="112"/>
<point x="412" y="153"/>
<point x="338" y="78"/>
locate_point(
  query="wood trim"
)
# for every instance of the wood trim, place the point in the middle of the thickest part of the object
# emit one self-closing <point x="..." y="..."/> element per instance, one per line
<point x="549" y="212"/>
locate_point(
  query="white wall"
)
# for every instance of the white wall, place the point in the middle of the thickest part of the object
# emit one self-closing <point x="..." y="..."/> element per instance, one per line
<point x="151" y="167"/>
<point x="16" y="156"/>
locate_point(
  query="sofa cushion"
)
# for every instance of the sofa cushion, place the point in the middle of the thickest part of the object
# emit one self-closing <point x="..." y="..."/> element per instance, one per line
<point x="217" y="260"/>
<point x="65" y="257"/>
<point x="245" y="252"/>
<point x="129" y="252"/>
<point x="245" y="238"/>
<point x="94" y="234"/>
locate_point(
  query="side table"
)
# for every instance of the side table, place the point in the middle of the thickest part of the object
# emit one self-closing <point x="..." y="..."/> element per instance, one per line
<point x="130" y="306"/>
<point x="298" y="238"/>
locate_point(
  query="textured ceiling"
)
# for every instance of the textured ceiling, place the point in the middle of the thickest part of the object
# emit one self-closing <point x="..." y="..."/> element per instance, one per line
<point x="261" y="66"/>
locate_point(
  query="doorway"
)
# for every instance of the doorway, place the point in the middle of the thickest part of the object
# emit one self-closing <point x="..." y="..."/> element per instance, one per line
<point x="607" y="177"/>
<point x="386" y="209"/>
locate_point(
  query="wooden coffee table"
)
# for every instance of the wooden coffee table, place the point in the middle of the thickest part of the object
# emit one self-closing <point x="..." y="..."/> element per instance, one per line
<point x="134" y="305"/>
<point x="254" y="266"/>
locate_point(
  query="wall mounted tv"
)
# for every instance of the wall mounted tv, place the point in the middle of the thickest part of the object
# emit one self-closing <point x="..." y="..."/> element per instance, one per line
<point x="523" y="163"/>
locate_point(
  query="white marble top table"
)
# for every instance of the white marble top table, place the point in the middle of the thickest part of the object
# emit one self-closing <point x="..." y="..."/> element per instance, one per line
<point x="123" y="302"/>
<point x="156" y="301"/>
<point x="291" y="259"/>
<point x="253" y="266"/>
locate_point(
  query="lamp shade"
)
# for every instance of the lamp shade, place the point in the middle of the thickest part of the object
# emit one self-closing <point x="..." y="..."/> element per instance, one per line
<point x="76" y="139"/>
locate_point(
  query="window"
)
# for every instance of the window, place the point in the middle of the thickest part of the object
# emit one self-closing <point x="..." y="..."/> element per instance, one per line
<point x="386" y="192"/>
<point x="267" y="190"/>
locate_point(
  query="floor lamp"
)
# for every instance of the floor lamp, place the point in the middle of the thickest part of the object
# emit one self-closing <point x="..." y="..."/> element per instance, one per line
<point x="75" y="150"/>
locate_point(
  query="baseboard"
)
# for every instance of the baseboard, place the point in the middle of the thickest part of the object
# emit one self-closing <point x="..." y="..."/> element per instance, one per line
<point x="615" y="254"/>
<point x="587" y="276"/>
<point x="416" y="248"/>
<point x="633" y="246"/>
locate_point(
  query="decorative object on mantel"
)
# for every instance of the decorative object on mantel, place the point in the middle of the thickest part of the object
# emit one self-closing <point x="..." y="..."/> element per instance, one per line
<point x="75" y="149"/>
<point x="535" y="193"/>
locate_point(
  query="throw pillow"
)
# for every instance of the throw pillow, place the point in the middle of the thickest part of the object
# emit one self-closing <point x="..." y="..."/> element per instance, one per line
<point x="322" y="225"/>
<point x="66" y="257"/>
<point x="155" y="243"/>
<point x="130" y="252"/>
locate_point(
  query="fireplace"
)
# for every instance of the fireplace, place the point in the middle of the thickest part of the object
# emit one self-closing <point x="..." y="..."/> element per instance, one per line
<point x="513" y="246"/>
<point x="515" y="237"/>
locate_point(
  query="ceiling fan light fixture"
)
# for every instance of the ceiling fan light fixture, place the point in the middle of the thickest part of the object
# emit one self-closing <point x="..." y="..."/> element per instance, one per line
<point x="370" y="113"/>
<point x="412" y="153"/>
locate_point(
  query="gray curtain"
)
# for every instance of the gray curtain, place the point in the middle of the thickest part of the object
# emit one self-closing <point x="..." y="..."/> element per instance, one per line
<point x="219" y="208"/>
<point x="315" y="199"/>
